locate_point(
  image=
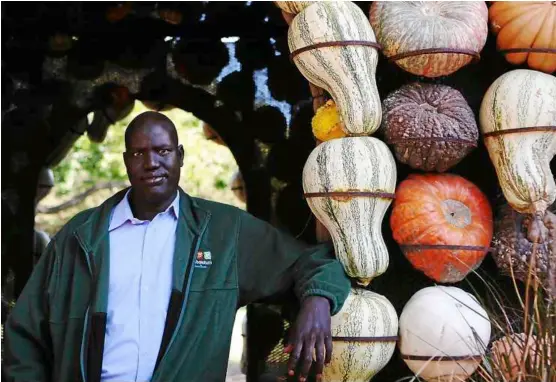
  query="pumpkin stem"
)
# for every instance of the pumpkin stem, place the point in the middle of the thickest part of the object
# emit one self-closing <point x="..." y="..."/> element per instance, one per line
<point x="456" y="213"/>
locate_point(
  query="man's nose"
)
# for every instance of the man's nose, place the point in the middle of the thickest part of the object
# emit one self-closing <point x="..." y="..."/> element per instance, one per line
<point x="151" y="161"/>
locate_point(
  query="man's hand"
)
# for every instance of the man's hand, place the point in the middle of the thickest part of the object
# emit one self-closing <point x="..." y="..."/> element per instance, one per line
<point x="310" y="333"/>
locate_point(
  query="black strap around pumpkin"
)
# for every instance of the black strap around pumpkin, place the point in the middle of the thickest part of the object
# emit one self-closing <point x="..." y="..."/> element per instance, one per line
<point x="441" y="357"/>
<point x="476" y="56"/>
<point x="326" y="44"/>
<point x="519" y="130"/>
<point x="349" y="194"/>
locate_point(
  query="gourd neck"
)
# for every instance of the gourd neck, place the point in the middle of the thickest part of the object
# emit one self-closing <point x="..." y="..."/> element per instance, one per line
<point x="456" y="213"/>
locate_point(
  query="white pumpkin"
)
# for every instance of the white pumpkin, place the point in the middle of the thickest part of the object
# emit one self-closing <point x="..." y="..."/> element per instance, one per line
<point x="353" y="164"/>
<point x="443" y="322"/>
<point x="346" y="72"/>
<point x="516" y="100"/>
<point x="364" y="315"/>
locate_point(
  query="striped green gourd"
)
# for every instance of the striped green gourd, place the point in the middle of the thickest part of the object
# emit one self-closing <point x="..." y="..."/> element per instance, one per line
<point x="364" y="314"/>
<point x="517" y="99"/>
<point x="353" y="164"/>
<point x="293" y="7"/>
<point x="346" y="72"/>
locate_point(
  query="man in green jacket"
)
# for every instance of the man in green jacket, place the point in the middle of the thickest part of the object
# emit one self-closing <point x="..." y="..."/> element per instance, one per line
<point x="145" y="287"/>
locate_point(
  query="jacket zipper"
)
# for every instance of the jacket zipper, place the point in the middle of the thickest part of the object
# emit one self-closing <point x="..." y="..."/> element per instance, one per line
<point x="84" y="337"/>
<point x="197" y="241"/>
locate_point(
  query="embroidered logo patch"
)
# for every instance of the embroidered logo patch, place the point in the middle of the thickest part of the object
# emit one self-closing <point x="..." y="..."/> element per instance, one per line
<point x="203" y="260"/>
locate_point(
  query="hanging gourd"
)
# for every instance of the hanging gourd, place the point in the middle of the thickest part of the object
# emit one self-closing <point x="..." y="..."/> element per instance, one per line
<point x="119" y="103"/>
<point x="364" y="335"/>
<point x="518" y="122"/>
<point x="431" y="127"/>
<point x="349" y="184"/>
<point x="443" y="224"/>
<point x="514" y="241"/>
<point x="238" y="186"/>
<point x="211" y="135"/>
<point x="171" y="16"/>
<point x="525" y="32"/>
<point x="430" y="38"/>
<point x="326" y="123"/>
<point x="118" y="12"/>
<point x="293" y="7"/>
<point x="59" y="44"/>
<point x="334" y="47"/>
<point x="444" y="333"/>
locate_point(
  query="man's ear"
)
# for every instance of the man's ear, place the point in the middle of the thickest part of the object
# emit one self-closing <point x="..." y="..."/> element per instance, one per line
<point x="125" y="155"/>
<point x="181" y="154"/>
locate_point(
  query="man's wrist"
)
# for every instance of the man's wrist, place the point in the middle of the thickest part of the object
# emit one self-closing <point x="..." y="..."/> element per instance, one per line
<point x="318" y="300"/>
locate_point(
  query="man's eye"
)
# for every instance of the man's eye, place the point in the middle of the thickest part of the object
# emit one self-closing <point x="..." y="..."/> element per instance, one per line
<point x="137" y="154"/>
<point x="163" y="151"/>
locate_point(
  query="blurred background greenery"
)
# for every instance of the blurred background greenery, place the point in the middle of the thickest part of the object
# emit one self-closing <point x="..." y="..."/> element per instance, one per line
<point x="207" y="171"/>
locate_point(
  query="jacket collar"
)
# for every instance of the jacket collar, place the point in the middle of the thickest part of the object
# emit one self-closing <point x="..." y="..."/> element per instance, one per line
<point x="93" y="232"/>
<point x="122" y="213"/>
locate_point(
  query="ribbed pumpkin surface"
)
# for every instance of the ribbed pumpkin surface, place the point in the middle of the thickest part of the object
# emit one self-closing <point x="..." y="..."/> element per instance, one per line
<point x="442" y="209"/>
<point x="526" y="24"/>
<point x="408" y="26"/>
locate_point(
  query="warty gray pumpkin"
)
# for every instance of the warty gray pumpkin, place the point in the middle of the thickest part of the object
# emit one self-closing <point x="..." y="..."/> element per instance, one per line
<point x="514" y="240"/>
<point x="431" y="126"/>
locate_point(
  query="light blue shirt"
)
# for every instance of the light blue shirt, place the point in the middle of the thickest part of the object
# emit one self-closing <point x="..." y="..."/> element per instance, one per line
<point x="141" y="258"/>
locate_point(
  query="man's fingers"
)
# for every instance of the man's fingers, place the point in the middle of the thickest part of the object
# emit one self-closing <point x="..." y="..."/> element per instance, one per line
<point x="328" y="344"/>
<point x="319" y="352"/>
<point x="294" y="356"/>
<point x="307" y="359"/>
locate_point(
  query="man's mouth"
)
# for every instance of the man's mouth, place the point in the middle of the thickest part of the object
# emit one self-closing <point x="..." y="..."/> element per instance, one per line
<point x="154" y="180"/>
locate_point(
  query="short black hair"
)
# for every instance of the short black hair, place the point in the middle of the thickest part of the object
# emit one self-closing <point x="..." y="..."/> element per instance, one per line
<point x="144" y="121"/>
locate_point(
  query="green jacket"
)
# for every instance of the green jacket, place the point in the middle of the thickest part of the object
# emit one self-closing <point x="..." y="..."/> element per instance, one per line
<point x="56" y="330"/>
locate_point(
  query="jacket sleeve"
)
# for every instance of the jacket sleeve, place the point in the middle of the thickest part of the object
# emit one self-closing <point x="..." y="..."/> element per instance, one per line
<point x="271" y="262"/>
<point x="27" y="346"/>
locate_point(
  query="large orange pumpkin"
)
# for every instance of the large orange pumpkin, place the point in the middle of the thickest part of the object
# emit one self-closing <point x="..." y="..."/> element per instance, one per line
<point x="528" y="27"/>
<point x="435" y="210"/>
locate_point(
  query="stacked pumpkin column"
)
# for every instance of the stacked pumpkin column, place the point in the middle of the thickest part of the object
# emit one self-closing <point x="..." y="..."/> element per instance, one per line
<point x="349" y="182"/>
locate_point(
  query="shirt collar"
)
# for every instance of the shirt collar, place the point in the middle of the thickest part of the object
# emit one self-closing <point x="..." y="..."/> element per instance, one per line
<point x="122" y="212"/>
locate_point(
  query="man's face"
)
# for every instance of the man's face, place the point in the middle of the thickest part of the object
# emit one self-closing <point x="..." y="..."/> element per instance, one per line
<point x="153" y="161"/>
